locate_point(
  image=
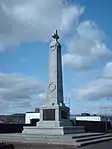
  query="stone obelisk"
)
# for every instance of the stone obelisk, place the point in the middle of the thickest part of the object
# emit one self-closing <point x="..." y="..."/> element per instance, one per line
<point x="54" y="93"/>
<point x="54" y="115"/>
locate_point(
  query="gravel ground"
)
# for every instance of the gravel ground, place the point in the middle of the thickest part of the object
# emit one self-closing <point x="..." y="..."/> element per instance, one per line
<point x="40" y="146"/>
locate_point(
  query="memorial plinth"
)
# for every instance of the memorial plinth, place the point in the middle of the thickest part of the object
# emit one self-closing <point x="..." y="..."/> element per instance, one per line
<point x="54" y="115"/>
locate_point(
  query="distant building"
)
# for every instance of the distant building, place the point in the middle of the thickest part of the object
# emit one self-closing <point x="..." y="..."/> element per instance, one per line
<point x="92" y="118"/>
<point x="32" y="117"/>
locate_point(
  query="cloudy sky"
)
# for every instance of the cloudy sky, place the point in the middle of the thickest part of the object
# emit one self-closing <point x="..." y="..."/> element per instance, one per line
<point x="85" y="34"/>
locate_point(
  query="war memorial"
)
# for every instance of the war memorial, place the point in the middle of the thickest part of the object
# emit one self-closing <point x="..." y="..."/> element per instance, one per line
<point x="54" y="115"/>
<point x="54" y="127"/>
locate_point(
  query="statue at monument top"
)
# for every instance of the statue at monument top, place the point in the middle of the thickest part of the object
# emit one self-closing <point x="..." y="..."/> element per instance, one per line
<point x="55" y="36"/>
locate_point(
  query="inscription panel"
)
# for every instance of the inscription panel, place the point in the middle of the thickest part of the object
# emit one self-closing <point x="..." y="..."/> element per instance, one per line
<point x="49" y="114"/>
<point x="64" y="115"/>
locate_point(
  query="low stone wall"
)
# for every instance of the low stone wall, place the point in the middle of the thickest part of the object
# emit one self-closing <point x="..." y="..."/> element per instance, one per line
<point x="12" y="128"/>
<point x="91" y="126"/>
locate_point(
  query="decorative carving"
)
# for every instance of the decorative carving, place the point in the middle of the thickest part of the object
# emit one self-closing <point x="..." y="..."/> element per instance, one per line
<point x="53" y="47"/>
<point x="52" y="86"/>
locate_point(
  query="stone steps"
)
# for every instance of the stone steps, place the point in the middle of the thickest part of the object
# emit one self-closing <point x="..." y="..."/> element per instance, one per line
<point x="74" y="140"/>
<point x="92" y="137"/>
<point x="94" y="141"/>
<point x="83" y="135"/>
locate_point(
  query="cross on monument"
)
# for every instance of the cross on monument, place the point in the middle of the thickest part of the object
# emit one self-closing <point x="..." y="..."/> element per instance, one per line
<point x="55" y="36"/>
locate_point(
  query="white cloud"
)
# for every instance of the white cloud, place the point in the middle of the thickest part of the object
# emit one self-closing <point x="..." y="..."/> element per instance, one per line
<point x="19" y="93"/>
<point x="98" y="88"/>
<point x="34" y="20"/>
<point x="107" y="72"/>
<point x="86" y="46"/>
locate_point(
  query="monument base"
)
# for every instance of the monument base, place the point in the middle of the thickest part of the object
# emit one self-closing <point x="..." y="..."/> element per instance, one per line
<point x="54" y="120"/>
<point x="53" y="131"/>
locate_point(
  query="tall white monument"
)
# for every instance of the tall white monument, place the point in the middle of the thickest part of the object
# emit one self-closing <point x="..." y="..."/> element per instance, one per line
<point x="54" y="115"/>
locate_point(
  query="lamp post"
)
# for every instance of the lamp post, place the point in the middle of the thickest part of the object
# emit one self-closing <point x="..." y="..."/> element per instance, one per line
<point x="69" y="103"/>
<point x="104" y="108"/>
<point x="106" y="128"/>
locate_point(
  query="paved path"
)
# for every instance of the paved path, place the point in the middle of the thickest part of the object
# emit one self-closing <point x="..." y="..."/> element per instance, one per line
<point x="104" y="145"/>
<point x="40" y="146"/>
<point x="33" y="139"/>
